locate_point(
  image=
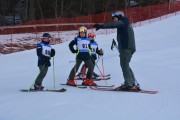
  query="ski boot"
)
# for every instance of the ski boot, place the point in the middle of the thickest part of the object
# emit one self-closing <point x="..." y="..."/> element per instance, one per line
<point x="123" y="87"/>
<point x="89" y="82"/>
<point x="71" y="83"/>
<point x="38" y="87"/>
<point x="134" y="88"/>
<point x="95" y="75"/>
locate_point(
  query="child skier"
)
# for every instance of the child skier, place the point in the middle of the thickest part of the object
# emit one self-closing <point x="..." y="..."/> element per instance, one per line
<point x="44" y="53"/>
<point x="95" y="50"/>
<point x="83" y="54"/>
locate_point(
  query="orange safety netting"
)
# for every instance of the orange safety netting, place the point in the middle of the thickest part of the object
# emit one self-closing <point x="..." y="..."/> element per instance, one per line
<point x="135" y="14"/>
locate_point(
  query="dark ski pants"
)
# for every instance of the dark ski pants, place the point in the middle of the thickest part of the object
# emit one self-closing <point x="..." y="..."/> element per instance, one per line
<point x="83" y="69"/>
<point x="43" y="71"/>
<point x="88" y="64"/>
<point x="125" y="58"/>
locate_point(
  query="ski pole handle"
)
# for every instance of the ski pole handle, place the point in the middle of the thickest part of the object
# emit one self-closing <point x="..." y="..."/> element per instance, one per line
<point x="114" y="42"/>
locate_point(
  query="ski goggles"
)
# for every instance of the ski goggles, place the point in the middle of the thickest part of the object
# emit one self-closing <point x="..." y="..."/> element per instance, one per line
<point x="113" y="15"/>
<point x="82" y="30"/>
<point x="117" y="14"/>
<point x="47" y="38"/>
<point x="91" y="35"/>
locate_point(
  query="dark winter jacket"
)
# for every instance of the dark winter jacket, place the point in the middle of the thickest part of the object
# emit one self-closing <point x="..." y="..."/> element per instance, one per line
<point x="83" y="54"/>
<point x="44" y="53"/>
<point x="125" y="33"/>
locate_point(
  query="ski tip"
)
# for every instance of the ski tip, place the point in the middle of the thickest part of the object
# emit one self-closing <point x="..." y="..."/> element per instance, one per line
<point x="62" y="90"/>
<point x="26" y="90"/>
<point x="149" y="92"/>
<point x="46" y="90"/>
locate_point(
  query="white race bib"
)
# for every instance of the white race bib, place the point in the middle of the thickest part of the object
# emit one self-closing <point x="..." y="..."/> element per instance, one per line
<point x="46" y="51"/>
<point x="82" y="45"/>
<point x="93" y="47"/>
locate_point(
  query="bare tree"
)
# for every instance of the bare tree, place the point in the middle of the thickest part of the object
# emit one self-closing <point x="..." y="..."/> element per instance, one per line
<point x="41" y="16"/>
<point x="56" y="9"/>
<point x="31" y="9"/>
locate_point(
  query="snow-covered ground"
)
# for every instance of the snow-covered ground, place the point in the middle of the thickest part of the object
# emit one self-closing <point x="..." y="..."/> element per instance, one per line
<point x="156" y="65"/>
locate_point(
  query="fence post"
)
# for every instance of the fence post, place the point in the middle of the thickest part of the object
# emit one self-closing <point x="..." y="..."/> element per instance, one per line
<point x="11" y="40"/>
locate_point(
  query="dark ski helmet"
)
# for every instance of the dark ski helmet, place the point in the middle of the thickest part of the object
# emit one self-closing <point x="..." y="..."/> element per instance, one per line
<point x="46" y="37"/>
<point x="118" y="14"/>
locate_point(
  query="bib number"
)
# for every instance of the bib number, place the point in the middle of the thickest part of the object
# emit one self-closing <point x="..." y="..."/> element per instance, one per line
<point x="84" y="45"/>
<point x="46" y="51"/>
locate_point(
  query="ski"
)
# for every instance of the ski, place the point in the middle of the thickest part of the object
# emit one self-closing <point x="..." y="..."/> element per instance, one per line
<point x="95" y="79"/>
<point x="77" y="86"/>
<point x="103" y="86"/>
<point x="107" y="75"/>
<point x="98" y="76"/>
<point x="101" y="78"/>
<point x="85" y="86"/>
<point x="114" y="89"/>
<point x="46" y="90"/>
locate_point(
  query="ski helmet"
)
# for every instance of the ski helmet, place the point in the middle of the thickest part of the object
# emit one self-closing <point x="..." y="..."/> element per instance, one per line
<point x="46" y="37"/>
<point x="118" y="14"/>
<point x="83" y="29"/>
<point x="91" y="35"/>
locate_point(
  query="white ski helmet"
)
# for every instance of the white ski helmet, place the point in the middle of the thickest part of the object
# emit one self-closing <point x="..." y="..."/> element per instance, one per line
<point x="83" y="29"/>
<point x="118" y="14"/>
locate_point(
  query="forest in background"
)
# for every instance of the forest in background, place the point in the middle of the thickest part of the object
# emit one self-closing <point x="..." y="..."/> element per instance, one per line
<point x="18" y="11"/>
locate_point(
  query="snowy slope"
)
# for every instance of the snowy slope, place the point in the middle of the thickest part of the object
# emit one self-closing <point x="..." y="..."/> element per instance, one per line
<point x="156" y="65"/>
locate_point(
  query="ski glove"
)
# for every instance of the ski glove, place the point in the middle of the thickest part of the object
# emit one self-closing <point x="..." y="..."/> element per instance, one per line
<point x="97" y="26"/>
<point x="101" y="52"/>
<point x="74" y="51"/>
<point x="53" y="52"/>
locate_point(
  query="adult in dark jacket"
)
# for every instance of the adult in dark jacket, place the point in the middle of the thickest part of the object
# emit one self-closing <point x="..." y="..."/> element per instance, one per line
<point x="127" y="47"/>
<point x="44" y="53"/>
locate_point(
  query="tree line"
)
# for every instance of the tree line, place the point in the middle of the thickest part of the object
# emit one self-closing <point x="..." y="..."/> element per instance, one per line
<point x="17" y="11"/>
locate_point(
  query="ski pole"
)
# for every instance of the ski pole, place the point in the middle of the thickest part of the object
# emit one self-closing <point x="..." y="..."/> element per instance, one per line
<point x="103" y="67"/>
<point x="114" y="44"/>
<point x="98" y="59"/>
<point x="98" y="69"/>
<point x="54" y="74"/>
<point x="117" y="48"/>
<point x="75" y="69"/>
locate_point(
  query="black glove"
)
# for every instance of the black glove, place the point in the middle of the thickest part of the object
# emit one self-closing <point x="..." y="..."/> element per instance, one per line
<point x="53" y="52"/>
<point x="101" y="53"/>
<point x="97" y="26"/>
<point x="74" y="51"/>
